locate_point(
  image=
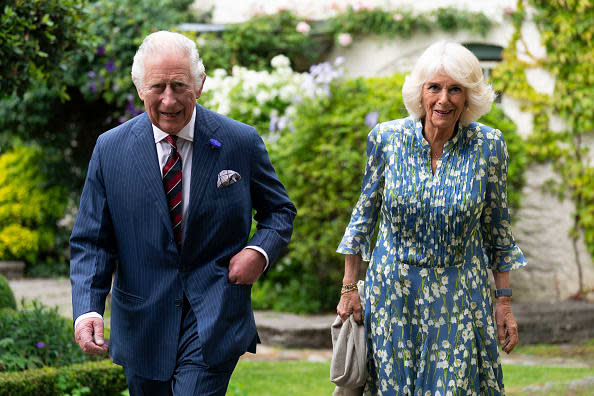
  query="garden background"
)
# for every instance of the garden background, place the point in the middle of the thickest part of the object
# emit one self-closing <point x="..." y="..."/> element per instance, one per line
<point x="314" y="78"/>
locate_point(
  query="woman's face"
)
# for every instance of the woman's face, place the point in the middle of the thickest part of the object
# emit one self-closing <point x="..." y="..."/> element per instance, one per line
<point x="443" y="100"/>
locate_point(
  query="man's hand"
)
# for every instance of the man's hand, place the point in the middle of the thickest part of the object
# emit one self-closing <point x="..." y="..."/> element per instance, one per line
<point x="507" y="328"/>
<point x="350" y="304"/>
<point x="246" y="267"/>
<point x="89" y="336"/>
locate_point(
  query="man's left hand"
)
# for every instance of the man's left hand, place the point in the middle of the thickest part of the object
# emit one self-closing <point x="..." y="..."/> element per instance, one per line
<point x="246" y="267"/>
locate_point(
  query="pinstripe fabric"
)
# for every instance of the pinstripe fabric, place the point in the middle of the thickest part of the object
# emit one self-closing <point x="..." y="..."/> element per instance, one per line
<point x="123" y="217"/>
<point x="191" y="377"/>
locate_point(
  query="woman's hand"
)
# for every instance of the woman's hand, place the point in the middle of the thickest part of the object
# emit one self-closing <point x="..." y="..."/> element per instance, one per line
<point x="507" y="328"/>
<point x="350" y="304"/>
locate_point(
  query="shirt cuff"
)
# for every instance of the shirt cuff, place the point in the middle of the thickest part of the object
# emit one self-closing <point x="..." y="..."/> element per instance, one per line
<point x="259" y="249"/>
<point x="85" y="316"/>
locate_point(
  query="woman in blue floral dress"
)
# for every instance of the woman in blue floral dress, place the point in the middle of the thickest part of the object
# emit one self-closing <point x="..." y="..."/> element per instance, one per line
<point x="437" y="182"/>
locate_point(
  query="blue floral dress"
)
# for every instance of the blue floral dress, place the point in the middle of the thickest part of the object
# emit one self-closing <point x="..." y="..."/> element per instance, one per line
<point x="428" y="312"/>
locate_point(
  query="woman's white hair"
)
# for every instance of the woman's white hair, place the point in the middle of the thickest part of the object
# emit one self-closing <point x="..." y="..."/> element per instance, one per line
<point x="460" y="64"/>
<point x="166" y="41"/>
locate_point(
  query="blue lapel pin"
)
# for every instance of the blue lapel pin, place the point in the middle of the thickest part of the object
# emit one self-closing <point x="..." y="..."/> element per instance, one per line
<point x="215" y="144"/>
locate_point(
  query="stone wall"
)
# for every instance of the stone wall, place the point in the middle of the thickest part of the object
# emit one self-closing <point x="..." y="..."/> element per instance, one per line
<point x="541" y="228"/>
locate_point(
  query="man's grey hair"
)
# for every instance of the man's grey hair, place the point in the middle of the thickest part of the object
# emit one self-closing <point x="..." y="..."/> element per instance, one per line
<point x="460" y="64"/>
<point x="166" y="41"/>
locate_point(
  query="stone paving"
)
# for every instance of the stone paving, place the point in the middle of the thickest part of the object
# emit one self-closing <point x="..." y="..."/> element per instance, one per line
<point x="56" y="292"/>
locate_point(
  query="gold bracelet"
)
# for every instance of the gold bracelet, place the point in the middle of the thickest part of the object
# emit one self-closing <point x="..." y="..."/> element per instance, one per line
<point x="349" y="287"/>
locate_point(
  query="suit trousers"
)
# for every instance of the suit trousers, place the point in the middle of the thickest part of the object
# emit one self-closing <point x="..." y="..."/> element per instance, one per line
<point x="191" y="377"/>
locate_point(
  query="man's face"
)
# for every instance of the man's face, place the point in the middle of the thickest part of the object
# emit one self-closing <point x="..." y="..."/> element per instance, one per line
<point x="169" y="93"/>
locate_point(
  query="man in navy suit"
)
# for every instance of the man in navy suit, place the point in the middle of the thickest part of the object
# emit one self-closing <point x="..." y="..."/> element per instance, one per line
<point x="167" y="206"/>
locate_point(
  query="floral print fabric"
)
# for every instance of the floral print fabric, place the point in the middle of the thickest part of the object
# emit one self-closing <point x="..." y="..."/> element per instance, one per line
<point x="427" y="297"/>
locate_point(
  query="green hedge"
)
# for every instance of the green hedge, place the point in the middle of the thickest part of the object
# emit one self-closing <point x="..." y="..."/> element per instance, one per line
<point x="321" y="164"/>
<point x="6" y="295"/>
<point x="103" y="378"/>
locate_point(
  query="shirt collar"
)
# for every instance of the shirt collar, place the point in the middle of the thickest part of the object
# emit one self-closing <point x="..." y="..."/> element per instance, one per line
<point x="186" y="133"/>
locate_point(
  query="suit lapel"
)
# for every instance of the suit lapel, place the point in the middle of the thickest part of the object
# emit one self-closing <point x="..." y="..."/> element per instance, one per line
<point x="204" y="156"/>
<point x="144" y="157"/>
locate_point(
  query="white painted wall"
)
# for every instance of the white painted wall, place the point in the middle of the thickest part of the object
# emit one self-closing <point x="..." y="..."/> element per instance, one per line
<point x="229" y="11"/>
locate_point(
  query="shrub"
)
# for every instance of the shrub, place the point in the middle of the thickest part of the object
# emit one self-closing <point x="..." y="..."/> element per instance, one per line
<point x="321" y="164"/>
<point x="263" y="99"/>
<point x="102" y="378"/>
<point x="6" y="295"/>
<point x="99" y="93"/>
<point x="35" y="38"/>
<point x="36" y="337"/>
<point x="29" y="208"/>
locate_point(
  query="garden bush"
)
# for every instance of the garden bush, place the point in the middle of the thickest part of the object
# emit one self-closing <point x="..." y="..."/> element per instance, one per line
<point x="98" y="93"/>
<point x="102" y="378"/>
<point x="6" y="295"/>
<point x="36" y="337"/>
<point x="267" y="100"/>
<point x="321" y="165"/>
<point x="36" y="38"/>
<point x="29" y="207"/>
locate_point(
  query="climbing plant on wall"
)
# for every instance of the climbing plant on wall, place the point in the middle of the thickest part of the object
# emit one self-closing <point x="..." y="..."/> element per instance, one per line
<point x="567" y="30"/>
<point x="254" y="43"/>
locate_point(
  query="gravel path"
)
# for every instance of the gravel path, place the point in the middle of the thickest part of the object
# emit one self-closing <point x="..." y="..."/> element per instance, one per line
<point x="56" y="292"/>
<point x="51" y="292"/>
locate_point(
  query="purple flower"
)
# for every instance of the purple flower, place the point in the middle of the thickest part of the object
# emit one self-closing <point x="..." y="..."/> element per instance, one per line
<point x="101" y="50"/>
<point x="130" y="98"/>
<point x="272" y="123"/>
<point x="40" y="345"/>
<point x="215" y="144"/>
<point x="92" y="87"/>
<point x="371" y="119"/>
<point x="110" y="66"/>
<point x="122" y="119"/>
<point x="91" y="74"/>
<point x="115" y="87"/>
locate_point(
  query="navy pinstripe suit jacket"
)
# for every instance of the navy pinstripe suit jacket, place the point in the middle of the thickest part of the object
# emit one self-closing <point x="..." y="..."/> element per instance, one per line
<point x="123" y="226"/>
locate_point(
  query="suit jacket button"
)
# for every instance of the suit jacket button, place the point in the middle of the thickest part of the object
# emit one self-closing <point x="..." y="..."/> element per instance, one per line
<point x="178" y="302"/>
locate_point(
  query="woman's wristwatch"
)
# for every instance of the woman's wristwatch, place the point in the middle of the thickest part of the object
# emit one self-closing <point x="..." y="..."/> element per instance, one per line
<point x="503" y="293"/>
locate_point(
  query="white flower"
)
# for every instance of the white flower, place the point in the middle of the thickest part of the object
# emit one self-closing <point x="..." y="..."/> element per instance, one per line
<point x="398" y="17"/>
<point x="345" y="39"/>
<point x="280" y="61"/>
<point x="303" y="27"/>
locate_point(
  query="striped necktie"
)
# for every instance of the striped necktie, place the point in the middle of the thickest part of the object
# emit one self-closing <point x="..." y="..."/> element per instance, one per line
<point x="172" y="181"/>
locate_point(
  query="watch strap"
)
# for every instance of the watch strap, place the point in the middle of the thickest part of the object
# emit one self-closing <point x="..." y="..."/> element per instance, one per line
<point x="503" y="293"/>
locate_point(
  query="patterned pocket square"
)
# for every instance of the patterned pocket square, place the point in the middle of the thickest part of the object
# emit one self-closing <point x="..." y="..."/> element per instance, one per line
<point x="227" y="177"/>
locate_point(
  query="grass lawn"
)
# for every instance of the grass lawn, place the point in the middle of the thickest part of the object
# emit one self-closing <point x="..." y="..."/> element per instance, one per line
<point x="297" y="378"/>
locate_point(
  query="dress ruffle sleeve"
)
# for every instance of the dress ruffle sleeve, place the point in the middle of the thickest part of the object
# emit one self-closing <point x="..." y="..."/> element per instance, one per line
<point x="502" y="252"/>
<point x="358" y="234"/>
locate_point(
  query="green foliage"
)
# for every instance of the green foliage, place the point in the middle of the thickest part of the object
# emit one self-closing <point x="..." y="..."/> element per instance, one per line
<point x="567" y="31"/>
<point x="36" y="38"/>
<point x="102" y="378"/>
<point x="29" y="207"/>
<point x="36" y="337"/>
<point x="405" y="23"/>
<point x="6" y="295"/>
<point x="255" y="42"/>
<point x="99" y="93"/>
<point x="321" y="164"/>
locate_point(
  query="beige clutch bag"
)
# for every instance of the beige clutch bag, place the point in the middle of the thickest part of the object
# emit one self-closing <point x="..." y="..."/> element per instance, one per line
<point x="348" y="369"/>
